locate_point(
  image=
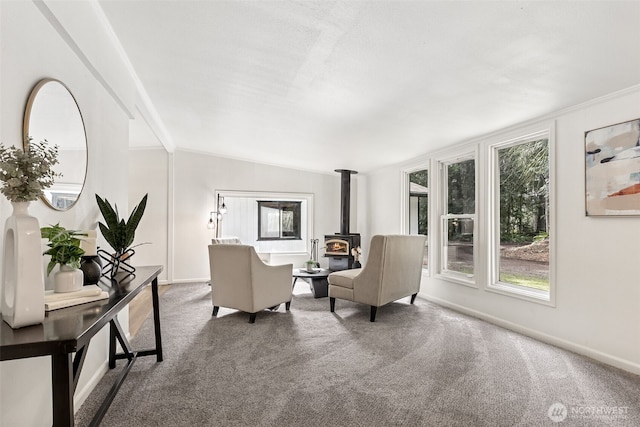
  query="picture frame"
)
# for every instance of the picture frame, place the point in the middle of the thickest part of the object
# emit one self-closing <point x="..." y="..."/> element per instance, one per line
<point x="612" y="170"/>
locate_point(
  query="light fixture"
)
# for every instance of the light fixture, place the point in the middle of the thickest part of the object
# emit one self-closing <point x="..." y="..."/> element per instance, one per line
<point x="222" y="209"/>
<point x="211" y="225"/>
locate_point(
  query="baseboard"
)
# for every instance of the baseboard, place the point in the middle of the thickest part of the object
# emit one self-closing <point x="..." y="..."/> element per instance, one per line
<point x="205" y="280"/>
<point x="541" y="336"/>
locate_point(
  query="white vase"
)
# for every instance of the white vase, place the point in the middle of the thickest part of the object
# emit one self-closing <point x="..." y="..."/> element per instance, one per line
<point x="68" y="279"/>
<point x="22" y="275"/>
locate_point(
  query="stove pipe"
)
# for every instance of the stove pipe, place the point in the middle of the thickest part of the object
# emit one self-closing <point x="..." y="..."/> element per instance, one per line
<point x="345" y="199"/>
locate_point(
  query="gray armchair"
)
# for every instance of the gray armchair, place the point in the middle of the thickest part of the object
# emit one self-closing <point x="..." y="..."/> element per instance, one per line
<point x="240" y="280"/>
<point x="393" y="270"/>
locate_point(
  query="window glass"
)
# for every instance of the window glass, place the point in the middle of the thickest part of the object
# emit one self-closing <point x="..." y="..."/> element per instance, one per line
<point x="460" y="245"/>
<point x="419" y="206"/>
<point x="458" y="220"/>
<point x="461" y="187"/>
<point x="278" y="220"/>
<point x="524" y="214"/>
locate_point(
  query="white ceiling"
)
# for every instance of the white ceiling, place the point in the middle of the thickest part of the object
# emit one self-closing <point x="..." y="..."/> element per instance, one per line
<point x="361" y="84"/>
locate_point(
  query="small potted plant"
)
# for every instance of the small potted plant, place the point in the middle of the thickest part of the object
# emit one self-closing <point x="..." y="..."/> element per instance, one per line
<point x="119" y="234"/>
<point x="310" y="266"/>
<point x="64" y="249"/>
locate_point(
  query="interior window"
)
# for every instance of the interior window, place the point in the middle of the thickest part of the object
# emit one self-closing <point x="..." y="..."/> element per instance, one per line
<point x="278" y="220"/>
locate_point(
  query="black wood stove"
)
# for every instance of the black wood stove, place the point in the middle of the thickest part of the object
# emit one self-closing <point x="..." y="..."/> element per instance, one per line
<point x="338" y="246"/>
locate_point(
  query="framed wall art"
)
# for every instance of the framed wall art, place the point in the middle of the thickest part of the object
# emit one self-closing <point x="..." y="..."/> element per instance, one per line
<point x="612" y="169"/>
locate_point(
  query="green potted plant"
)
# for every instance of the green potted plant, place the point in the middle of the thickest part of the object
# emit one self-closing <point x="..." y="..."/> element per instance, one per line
<point x="310" y="266"/>
<point x="119" y="233"/>
<point x="65" y="250"/>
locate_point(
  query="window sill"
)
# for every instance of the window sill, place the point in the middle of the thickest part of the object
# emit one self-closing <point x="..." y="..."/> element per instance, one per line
<point x="532" y="295"/>
<point x="459" y="279"/>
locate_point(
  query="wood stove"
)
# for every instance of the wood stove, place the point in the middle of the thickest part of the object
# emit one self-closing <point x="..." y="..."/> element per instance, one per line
<point x="338" y="250"/>
<point x="338" y="246"/>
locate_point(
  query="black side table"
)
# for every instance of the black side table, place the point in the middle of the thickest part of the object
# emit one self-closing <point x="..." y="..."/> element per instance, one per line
<point x="317" y="281"/>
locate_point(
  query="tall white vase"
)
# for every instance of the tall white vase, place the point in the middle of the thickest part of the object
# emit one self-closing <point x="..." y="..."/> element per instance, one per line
<point x="22" y="275"/>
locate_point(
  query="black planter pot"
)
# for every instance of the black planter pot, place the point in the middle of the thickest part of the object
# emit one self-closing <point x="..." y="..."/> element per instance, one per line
<point x="91" y="269"/>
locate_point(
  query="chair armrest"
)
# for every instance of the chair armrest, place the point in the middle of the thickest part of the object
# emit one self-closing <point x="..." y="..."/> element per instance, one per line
<point x="271" y="283"/>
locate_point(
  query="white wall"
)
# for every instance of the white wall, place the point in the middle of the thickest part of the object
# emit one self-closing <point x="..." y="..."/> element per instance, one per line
<point x="198" y="176"/>
<point x="597" y="276"/>
<point x="31" y="50"/>
<point x="149" y="174"/>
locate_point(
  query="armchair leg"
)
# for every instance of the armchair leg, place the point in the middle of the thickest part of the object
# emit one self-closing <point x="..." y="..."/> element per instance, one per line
<point x="287" y="305"/>
<point x="413" y="298"/>
<point x="215" y="310"/>
<point x="332" y="304"/>
<point x="252" y="318"/>
<point x="374" y="310"/>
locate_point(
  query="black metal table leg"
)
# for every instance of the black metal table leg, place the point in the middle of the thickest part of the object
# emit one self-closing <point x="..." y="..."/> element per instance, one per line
<point x="112" y="346"/>
<point x="156" y="318"/>
<point x="63" y="388"/>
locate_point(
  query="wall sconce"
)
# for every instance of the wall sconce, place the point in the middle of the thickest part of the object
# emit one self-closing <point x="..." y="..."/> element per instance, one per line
<point x="222" y="209"/>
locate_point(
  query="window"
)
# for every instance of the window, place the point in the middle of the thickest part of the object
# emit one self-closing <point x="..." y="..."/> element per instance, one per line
<point x="419" y="206"/>
<point x="458" y="217"/>
<point x="522" y="221"/>
<point x="278" y="220"/>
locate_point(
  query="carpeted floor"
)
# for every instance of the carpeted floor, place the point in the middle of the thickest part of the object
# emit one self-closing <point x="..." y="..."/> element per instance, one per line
<point x="420" y="365"/>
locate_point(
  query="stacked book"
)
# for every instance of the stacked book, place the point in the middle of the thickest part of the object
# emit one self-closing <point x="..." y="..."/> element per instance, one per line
<point x="55" y="300"/>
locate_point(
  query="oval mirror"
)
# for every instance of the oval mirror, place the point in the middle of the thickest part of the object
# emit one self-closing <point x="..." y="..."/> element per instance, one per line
<point x="52" y="113"/>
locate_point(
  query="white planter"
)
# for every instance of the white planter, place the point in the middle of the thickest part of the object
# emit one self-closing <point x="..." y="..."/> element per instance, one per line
<point x="68" y="279"/>
<point x="22" y="275"/>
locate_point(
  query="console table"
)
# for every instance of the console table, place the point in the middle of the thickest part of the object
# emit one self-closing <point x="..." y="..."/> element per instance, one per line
<point x="70" y="330"/>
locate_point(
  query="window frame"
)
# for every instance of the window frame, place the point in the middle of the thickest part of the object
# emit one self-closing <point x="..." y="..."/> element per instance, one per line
<point x="493" y="284"/>
<point x="405" y="205"/>
<point x="443" y="217"/>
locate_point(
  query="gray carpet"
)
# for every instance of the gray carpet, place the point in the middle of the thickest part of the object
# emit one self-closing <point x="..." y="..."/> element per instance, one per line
<point x="419" y="365"/>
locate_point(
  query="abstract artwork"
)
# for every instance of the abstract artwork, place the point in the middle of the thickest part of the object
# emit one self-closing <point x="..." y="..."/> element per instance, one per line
<point x="612" y="173"/>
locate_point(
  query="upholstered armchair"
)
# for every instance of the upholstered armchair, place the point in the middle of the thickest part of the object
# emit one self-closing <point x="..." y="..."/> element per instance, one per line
<point x="240" y="280"/>
<point x="225" y="241"/>
<point x="264" y="256"/>
<point x="393" y="270"/>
